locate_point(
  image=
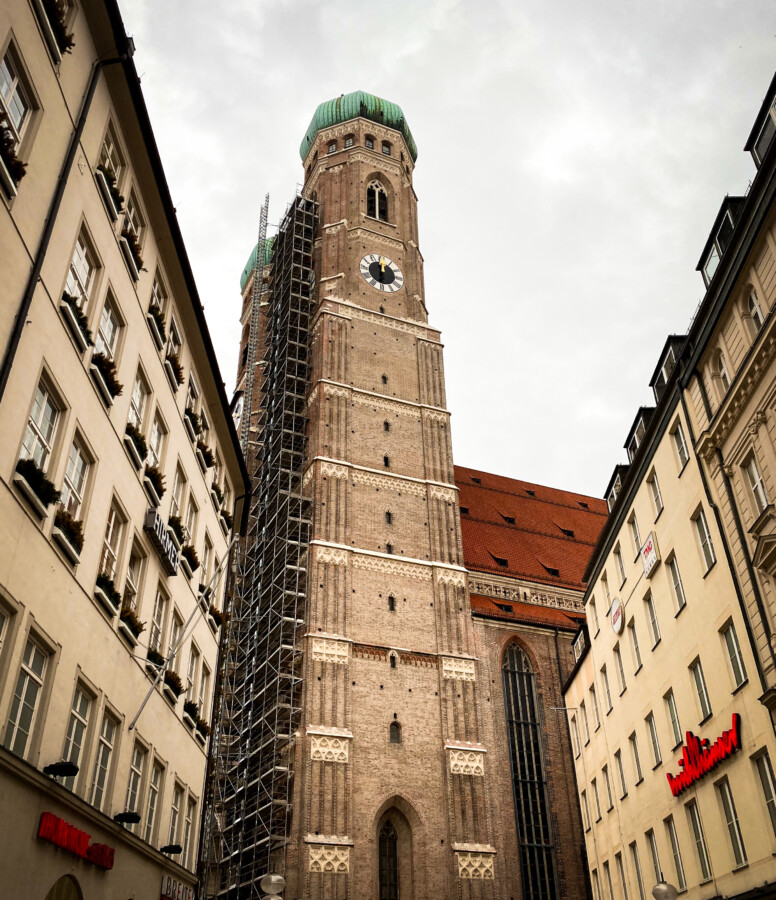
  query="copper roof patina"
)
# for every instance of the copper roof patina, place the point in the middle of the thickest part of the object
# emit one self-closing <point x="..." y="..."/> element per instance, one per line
<point x="251" y="264"/>
<point x="355" y="105"/>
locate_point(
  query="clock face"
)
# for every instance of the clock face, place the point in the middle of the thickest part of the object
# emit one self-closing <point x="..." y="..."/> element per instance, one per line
<point x="381" y="273"/>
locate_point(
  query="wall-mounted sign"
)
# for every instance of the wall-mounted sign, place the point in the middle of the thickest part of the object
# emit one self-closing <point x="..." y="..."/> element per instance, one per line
<point x="616" y="616"/>
<point x="67" y="837"/>
<point x="650" y="555"/>
<point x="155" y="527"/>
<point x="699" y="756"/>
<point x="172" y="889"/>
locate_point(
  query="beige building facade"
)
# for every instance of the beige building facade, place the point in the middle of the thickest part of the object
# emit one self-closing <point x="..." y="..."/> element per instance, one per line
<point x="120" y="475"/>
<point x="670" y="703"/>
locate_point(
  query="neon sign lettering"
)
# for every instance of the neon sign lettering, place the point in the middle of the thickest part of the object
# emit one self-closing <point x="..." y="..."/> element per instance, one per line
<point x="700" y="756"/>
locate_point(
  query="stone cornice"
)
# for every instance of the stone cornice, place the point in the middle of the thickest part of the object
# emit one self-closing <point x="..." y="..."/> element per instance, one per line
<point x="354" y="311"/>
<point x="390" y="557"/>
<point x="501" y="588"/>
<point x="341" y="468"/>
<point x="382" y="401"/>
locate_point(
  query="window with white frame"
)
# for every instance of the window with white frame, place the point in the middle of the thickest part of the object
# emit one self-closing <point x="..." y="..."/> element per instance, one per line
<point x="654" y="493"/>
<point x="158" y="621"/>
<point x="634" y="644"/>
<point x="594" y="704"/>
<point x="664" y="373"/>
<point x="188" y="828"/>
<point x="26" y="699"/>
<point x="175" y="812"/>
<point x="607" y="595"/>
<point x="585" y="725"/>
<point x="731" y="820"/>
<point x="756" y="485"/>
<point x="634" y="531"/>
<point x="82" y="272"/>
<point x="621" y="773"/>
<point x="174" y="340"/>
<point x="653" y="739"/>
<point x="634" y="851"/>
<point x="677" y="588"/>
<point x="680" y="445"/>
<point x="585" y="811"/>
<point x="103" y="760"/>
<point x="608" y="786"/>
<point x="704" y="539"/>
<point x="593" y="615"/>
<point x="192" y="393"/>
<point x="619" y="564"/>
<point x="652" y="844"/>
<point x="607" y="692"/>
<point x="332" y="148"/>
<point x="15" y="95"/>
<point x="619" y="667"/>
<point x="735" y="659"/>
<point x="673" y="717"/>
<point x="768" y="784"/>
<point x="111" y="544"/>
<point x="654" y="627"/>
<point x="701" y="851"/>
<point x="154" y="789"/>
<point x="76" y="731"/>
<point x="204" y="691"/>
<point x="719" y="243"/>
<point x="156" y="442"/>
<point x="634" y="745"/>
<point x="175" y="635"/>
<point x="111" y="157"/>
<point x="133" y="218"/>
<point x="755" y="310"/>
<point x="136" y="769"/>
<point x="699" y="682"/>
<point x="386" y="148"/>
<point x="74" y="484"/>
<point x="764" y="138"/>
<point x="191" y="676"/>
<point x="159" y="295"/>
<point x="578" y="646"/>
<point x="673" y="838"/>
<point x="575" y="735"/>
<point x="134" y="576"/>
<point x="138" y="401"/>
<point x="108" y="332"/>
<point x="178" y="488"/>
<point x="207" y="559"/>
<point x="192" y="517"/>
<point x="41" y="427"/>
<point x="722" y="371"/>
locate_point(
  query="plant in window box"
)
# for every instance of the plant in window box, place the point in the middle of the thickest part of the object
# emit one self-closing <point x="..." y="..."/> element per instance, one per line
<point x="104" y="372"/>
<point x="56" y="12"/>
<point x="215" y="618"/>
<point x="217" y="494"/>
<point x="173" y="686"/>
<point x="69" y="534"/>
<point x="105" y="592"/>
<point x="227" y="520"/>
<point x="134" y="245"/>
<point x="203" y="729"/>
<point x="154" y="484"/>
<point x="176" y="527"/>
<point x="155" y="658"/>
<point x="14" y="167"/>
<point x="130" y="625"/>
<point x="77" y="321"/>
<point x="189" y="560"/>
<point x="106" y="181"/>
<point x="193" y="422"/>
<point x="174" y="369"/>
<point x="136" y="444"/>
<point x="190" y="713"/>
<point x="32" y="481"/>
<point x="155" y="318"/>
<point x="205" y="455"/>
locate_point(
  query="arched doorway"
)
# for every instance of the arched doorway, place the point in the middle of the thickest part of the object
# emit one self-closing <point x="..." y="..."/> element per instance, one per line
<point x="65" y="888"/>
<point x="394" y="856"/>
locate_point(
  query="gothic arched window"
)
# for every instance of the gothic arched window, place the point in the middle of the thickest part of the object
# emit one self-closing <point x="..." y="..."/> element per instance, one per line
<point x="529" y="782"/>
<point x="389" y="862"/>
<point x="395" y="733"/>
<point x="377" y="201"/>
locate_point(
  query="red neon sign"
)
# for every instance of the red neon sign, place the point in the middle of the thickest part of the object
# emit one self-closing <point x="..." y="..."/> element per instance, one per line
<point x="699" y="756"/>
<point x="61" y="834"/>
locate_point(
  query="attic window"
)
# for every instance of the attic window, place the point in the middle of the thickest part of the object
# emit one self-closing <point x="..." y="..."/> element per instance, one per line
<point x="583" y="504"/>
<point x="569" y="532"/>
<point x="550" y="570"/>
<point x="530" y="493"/>
<point x="638" y="437"/>
<point x="465" y="510"/>
<point x="476" y="480"/>
<point x="509" y="519"/>
<point x="766" y="136"/>
<point x="504" y="608"/>
<point x="668" y="366"/>
<point x="719" y="245"/>
<point x="500" y="561"/>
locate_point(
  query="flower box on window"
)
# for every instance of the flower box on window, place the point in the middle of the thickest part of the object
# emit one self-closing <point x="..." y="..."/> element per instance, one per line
<point x="190" y="713"/>
<point x="172" y="686"/>
<point x="189" y="560"/>
<point x="130" y="626"/>
<point x="205" y="456"/>
<point x="12" y="169"/>
<point x="155" y="319"/>
<point x="174" y="370"/>
<point x="131" y="250"/>
<point x="76" y="321"/>
<point x="226" y="521"/>
<point x="203" y="597"/>
<point x="52" y="15"/>
<point x="154" y="661"/>
<point x="216" y="617"/>
<point x="216" y="496"/>
<point x="114" y="202"/>
<point x="136" y="445"/>
<point x="68" y="533"/>
<point x="106" y="595"/>
<point x="153" y="482"/>
<point x="38" y="491"/>
<point x="202" y="731"/>
<point x="177" y="533"/>
<point x="193" y="423"/>
<point x="103" y="371"/>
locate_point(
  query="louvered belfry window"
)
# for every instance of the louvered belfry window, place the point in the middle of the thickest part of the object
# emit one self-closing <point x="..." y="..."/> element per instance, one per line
<point x="529" y="782"/>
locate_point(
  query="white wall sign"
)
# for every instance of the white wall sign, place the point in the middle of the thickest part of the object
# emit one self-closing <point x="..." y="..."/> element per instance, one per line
<point x="616" y="616"/>
<point x="650" y="556"/>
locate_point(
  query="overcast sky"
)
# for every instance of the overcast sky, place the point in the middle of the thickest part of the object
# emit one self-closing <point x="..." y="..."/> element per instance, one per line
<point x="572" y="158"/>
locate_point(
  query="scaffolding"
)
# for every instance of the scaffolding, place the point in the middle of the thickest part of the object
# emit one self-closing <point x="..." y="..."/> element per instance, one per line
<point x="250" y="778"/>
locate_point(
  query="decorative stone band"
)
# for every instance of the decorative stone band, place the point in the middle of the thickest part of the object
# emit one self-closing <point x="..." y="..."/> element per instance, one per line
<point x="332" y="556"/>
<point x="329" y="744"/>
<point x="450" y="576"/>
<point x="388" y="483"/>
<point x="466" y="757"/>
<point x="329" y="859"/>
<point x="479" y="583"/>
<point x="415" y="487"/>
<point x="391" y="567"/>
<point x="332" y="651"/>
<point x="458" y="669"/>
<point x="475" y="861"/>
<point x="436" y="492"/>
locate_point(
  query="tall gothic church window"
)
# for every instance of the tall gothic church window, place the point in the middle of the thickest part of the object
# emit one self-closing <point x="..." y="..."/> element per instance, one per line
<point x="377" y="201"/>
<point x="389" y="862"/>
<point x="529" y="782"/>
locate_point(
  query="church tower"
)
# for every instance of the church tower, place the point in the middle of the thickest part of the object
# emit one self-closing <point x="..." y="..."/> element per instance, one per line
<point x="391" y="783"/>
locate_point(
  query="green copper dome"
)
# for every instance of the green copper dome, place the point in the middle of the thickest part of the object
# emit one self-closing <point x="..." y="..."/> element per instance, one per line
<point x="351" y="106"/>
<point x="251" y="264"/>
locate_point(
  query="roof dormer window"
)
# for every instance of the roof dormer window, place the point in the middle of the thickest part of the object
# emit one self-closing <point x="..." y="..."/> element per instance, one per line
<point x="718" y="246"/>
<point x="664" y="373"/>
<point x="765" y="136"/>
<point x="638" y="437"/>
<point x="614" y="492"/>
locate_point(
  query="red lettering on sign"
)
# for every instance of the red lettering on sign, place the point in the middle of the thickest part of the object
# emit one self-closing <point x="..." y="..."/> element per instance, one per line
<point x="61" y="834"/>
<point x="699" y="756"/>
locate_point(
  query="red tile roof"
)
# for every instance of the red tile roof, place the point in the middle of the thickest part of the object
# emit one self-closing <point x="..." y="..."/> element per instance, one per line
<point x="553" y="530"/>
<point x="527" y="613"/>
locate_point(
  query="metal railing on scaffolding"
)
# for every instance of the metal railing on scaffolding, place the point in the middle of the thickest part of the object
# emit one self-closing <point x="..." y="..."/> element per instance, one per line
<point x="251" y="773"/>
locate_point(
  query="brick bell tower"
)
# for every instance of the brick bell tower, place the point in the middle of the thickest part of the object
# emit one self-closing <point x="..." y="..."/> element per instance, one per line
<point x="390" y="794"/>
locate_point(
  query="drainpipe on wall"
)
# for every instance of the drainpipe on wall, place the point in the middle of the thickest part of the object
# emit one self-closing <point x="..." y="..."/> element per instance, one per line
<point x="51" y="218"/>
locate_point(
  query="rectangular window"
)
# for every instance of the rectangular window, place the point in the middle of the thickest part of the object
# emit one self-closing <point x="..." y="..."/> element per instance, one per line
<point x="174" y="341"/>
<point x="15" y="101"/>
<point x="175" y="635"/>
<point x="652" y="730"/>
<point x="76" y="730"/>
<point x="594" y="704"/>
<point x="608" y="786"/>
<point x="579" y="641"/>
<point x="135" y="782"/>
<point x="681" y="882"/>
<point x="41" y="425"/>
<point x="156" y="442"/>
<point x="102" y="761"/>
<point x="621" y="774"/>
<point x="575" y="735"/>
<point x="654" y="492"/>
<point x="111" y="157"/>
<point x="634" y="850"/>
<point x="593" y="615"/>
<point x="765" y="771"/>
<point x="673" y="718"/>
<point x="204" y="691"/>
<point x="585" y="726"/>
<point x="134" y="575"/>
<point x="680" y="445"/>
<point x="138" y="401"/>
<point x="158" y="622"/>
<point x="634" y="530"/>
<point x="159" y="294"/>
<point x="607" y="595"/>
<point x="652" y="844"/>
<point x="175" y="813"/>
<point x="634" y="642"/>
<point x="756" y="485"/>
<point x="621" y="874"/>
<point x="608" y="880"/>
<point x="82" y="272"/>
<point x="731" y="820"/>
<point x="607" y="692"/>
<point x="619" y="667"/>
<point x="635" y="756"/>
<point x="178" y="487"/>
<point x="108" y="332"/>
<point x="154" y="787"/>
<point x="704" y="538"/>
<point x="596" y="886"/>
<point x="24" y="706"/>
<point x="111" y="543"/>
<point x="594" y="786"/>
<point x="74" y="485"/>
<point x="680" y="600"/>
<point x="704" y="706"/>
<point x="618" y="563"/>
<point x="133" y="220"/>
<point x="188" y="843"/>
<point x="585" y="811"/>
<point x="191" y="677"/>
<point x="704" y="864"/>
<point x="737" y="669"/>
<point x="654" y="627"/>
<point x="192" y="514"/>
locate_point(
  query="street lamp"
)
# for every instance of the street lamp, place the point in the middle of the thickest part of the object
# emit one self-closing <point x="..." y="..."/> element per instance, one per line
<point x="664" y="891"/>
<point x="273" y="886"/>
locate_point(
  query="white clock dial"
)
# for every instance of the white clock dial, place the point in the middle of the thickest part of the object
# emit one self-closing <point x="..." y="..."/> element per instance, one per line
<point x="383" y="274"/>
